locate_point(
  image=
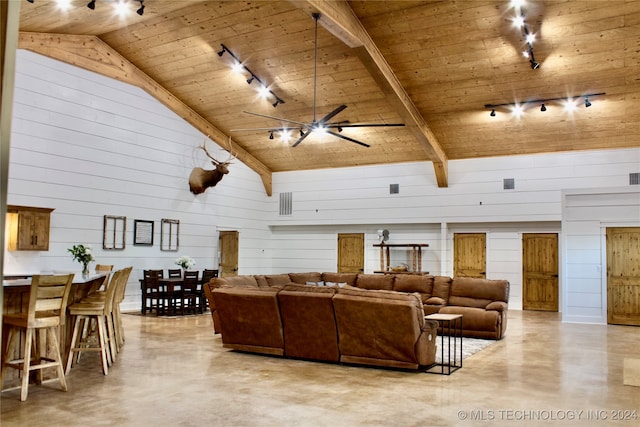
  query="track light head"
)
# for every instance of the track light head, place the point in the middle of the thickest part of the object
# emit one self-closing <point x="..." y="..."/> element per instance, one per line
<point x="275" y="104"/>
<point x="301" y="132"/>
<point x="587" y="104"/>
<point x="221" y="52"/>
<point x="493" y="112"/>
<point x="92" y="4"/>
<point x="141" y="10"/>
<point x="271" y="135"/>
<point x="250" y="79"/>
<point x="543" y="107"/>
<point x="339" y="129"/>
<point x="534" y="64"/>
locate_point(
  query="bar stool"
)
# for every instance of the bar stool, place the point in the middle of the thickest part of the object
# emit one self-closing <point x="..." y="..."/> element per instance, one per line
<point x="47" y="309"/>
<point x="99" y="309"/>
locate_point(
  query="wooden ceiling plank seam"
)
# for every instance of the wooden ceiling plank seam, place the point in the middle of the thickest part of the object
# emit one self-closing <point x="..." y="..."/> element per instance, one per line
<point x="340" y="15"/>
<point x="117" y="67"/>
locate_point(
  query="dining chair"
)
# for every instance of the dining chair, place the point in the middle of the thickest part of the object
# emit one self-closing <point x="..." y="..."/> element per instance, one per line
<point x="152" y="292"/>
<point x="207" y="275"/>
<point x="190" y="292"/>
<point x="46" y="310"/>
<point x="175" y="272"/>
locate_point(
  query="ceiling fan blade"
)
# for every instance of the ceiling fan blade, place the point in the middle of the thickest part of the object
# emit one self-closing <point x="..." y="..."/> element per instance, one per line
<point x="364" y="125"/>
<point x="277" y="118"/>
<point x="331" y="114"/>
<point x="304" y="135"/>
<point x="281" y="129"/>
<point x="349" y="139"/>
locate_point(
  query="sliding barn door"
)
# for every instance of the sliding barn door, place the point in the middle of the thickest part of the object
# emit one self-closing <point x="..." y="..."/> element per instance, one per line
<point x="469" y="255"/>
<point x="623" y="276"/>
<point x="540" y="271"/>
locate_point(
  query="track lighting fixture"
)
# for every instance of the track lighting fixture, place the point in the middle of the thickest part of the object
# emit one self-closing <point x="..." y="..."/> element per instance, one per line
<point x="92" y="4"/>
<point x="518" y="107"/>
<point x="271" y="135"/>
<point x="239" y="66"/>
<point x="519" y="21"/>
<point x="301" y="132"/>
<point x="141" y="10"/>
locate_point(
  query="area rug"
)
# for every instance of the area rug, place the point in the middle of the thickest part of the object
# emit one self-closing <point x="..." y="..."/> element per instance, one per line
<point x="470" y="346"/>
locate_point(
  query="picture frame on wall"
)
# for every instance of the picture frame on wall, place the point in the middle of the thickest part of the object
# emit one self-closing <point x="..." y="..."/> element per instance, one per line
<point x="142" y="232"/>
<point x="115" y="228"/>
<point x="169" y="234"/>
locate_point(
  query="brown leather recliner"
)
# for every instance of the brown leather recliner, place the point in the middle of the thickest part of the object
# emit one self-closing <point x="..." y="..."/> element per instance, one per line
<point x="250" y="319"/>
<point x="483" y="304"/>
<point x="309" y="322"/>
<point x="383" y="328"/>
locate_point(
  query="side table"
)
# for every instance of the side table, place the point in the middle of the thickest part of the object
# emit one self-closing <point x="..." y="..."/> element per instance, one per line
<point x="451" y="326"/>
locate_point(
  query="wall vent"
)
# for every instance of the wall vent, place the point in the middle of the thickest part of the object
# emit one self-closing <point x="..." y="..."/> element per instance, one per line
<point x="286" y="203"/>
<point x="634" y="178"/>
<point x="509" y="184"/>
<point x="394" y="188"/>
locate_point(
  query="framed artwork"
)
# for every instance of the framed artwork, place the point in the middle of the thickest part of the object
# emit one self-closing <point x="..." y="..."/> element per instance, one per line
<point x="142" y="232"/>
<point x="169" y="234"/>
<point x="115" y="228"/>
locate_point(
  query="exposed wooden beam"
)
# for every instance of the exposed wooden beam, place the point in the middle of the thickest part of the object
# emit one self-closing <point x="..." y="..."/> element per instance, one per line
<point x="340" y="20"/>
<point x="91" y="53"/>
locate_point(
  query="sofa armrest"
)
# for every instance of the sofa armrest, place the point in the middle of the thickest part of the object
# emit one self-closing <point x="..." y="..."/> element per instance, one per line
<point x="497" y="306"/>
<point x="435" y="301"/>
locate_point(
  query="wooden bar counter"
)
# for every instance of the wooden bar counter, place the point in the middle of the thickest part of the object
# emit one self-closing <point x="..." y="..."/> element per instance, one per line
<point x="16" y="299"/>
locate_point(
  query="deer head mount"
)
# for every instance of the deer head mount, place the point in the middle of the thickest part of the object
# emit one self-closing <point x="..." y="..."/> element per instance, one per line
<point x="201" y="179"/>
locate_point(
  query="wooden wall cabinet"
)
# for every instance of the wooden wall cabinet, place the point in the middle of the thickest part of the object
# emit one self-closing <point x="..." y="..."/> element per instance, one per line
<point x="28" y="228"/>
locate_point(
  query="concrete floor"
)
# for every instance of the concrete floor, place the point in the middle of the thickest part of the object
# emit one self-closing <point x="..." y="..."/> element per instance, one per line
<point x="174" y="372"/>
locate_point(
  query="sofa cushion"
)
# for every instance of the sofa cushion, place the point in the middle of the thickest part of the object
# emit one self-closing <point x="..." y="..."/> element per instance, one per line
<point x="441" y="286"/>
<point x="305" y="277"/>
<point x="375" y="281"/>
<point x="235" y="281"/>
<point x="414" y="283"/>
<point x="297" y="287"/>
<point x="348" y="278"/>
<point x="262" y="280"/>
<point x="278" y="279"/>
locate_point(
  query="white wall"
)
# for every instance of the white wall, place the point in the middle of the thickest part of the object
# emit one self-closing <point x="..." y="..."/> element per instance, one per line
<point x="90" y="146"/>
<point x="358" y="200"/>
<point x="586" y="215"/>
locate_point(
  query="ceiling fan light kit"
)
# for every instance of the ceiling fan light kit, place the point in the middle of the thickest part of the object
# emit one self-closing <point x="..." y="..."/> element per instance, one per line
<point x="324" y="125"/>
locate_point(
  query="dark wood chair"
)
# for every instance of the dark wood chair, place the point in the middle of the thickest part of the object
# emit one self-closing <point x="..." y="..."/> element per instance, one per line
<point x="190" y="292"/>
<point x="207" y="275"/>
<point x="152" y="292"/>
<point x="176" y="272"/>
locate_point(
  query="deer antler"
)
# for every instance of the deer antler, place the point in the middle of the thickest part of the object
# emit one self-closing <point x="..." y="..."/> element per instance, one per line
<point x="213" y="159"/>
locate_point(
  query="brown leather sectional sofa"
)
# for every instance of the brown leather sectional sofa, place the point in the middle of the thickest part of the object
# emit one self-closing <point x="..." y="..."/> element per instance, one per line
<point x="332" y="324"/>
<point x="483" y="303"/>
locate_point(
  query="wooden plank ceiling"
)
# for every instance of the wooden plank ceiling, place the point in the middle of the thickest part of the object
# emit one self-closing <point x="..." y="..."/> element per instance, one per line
<point x="431" y="65"/>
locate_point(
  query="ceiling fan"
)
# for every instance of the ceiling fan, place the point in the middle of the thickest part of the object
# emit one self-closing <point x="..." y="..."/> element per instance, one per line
<point x="324" y="124"/>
